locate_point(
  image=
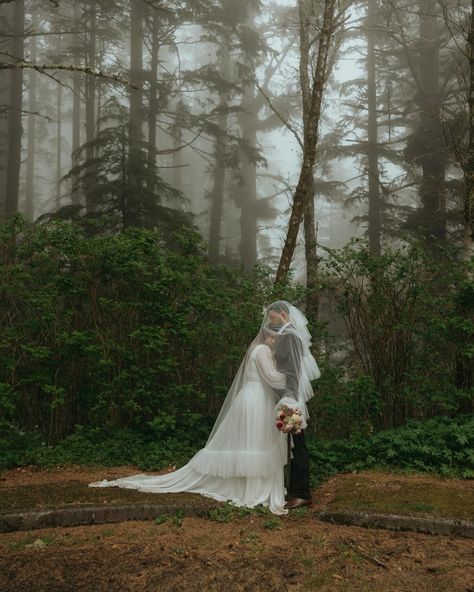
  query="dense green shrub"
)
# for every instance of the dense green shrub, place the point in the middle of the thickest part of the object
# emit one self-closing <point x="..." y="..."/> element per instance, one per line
<point x="117" y="330"/>
<point x="440" y="445"/>
<point x="410" y="326"/>
<point x="138" y="343"/>
<point x="96" y="446"/>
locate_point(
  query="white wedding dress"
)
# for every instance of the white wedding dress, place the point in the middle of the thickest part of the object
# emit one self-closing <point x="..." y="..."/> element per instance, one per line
<point x="243" y="460"/>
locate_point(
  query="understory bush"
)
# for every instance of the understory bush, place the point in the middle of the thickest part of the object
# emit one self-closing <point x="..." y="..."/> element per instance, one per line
<point x="441" y="445"/>
<point x="121" y="348"/>
<point x="118" y="331"/>
<point x="408" y="340"/>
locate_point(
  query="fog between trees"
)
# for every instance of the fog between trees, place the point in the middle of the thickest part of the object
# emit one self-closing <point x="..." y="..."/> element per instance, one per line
<point x="156" y="112"/>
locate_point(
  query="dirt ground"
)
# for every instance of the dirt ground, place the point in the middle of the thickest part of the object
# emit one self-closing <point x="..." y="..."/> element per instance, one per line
<point x="248" y="553"/>
<point x="25" y="488"/>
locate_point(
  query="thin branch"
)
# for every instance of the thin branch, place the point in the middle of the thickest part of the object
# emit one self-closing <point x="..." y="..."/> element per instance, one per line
<point x="178" y="148"/>
<point x="44" y="68"/>
<point x="281" y="118"/>
<point x="54" y="2"/>
<point x="37" y="113"/>
<point x="364" y="554"/>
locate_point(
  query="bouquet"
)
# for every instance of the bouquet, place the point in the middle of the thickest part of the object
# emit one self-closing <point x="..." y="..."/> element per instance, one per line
<point x="289" y="419"/>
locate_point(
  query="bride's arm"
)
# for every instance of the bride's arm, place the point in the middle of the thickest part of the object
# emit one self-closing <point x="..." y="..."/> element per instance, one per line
<point x="267" y="369"/>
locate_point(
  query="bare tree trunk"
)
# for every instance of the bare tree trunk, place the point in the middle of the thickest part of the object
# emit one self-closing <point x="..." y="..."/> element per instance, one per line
<point x="217" y="194"/>
<point x="372" y="136"/>
<point x="469" y="161"/>
<point x="248" y="190"/>
<point x="304" y="187"/>
<point x="130" y="215"/>
<point x="59" y="97"/>
<point x="99" y="90"/>
<point x="5" y="82"/>
<point x="310" y="238"/>
<point x="433" y="206"/>
<point x="177" y="160"/>
<point x="136" y="72"/>
<point x="247" y="198"/>
<point x="153" y="111"/>
<point x="76" y="108"/>
<point x="91" y="96"/>
<point x="14" y="115"/>
<point x="31" y="143"/>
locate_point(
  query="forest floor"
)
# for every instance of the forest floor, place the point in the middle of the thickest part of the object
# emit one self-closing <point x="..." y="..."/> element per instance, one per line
<point x="234" y="551"/>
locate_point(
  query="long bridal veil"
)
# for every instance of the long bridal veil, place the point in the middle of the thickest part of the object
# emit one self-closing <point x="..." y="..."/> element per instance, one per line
<point x="297" y="350"/>
<point x="244" y="455"/>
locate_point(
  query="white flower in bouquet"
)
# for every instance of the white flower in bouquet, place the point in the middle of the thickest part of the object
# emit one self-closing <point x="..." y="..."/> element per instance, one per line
<point x="289" y="417"/>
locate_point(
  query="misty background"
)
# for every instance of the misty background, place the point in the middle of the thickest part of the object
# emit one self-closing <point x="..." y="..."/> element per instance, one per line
<point x="197" y="67"/>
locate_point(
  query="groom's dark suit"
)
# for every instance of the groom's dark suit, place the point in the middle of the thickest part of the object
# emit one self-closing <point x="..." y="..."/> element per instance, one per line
<point x="288" y="351"/>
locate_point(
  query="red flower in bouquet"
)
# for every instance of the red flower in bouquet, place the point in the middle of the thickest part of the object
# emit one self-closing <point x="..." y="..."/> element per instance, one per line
<point x="289" y="420"/>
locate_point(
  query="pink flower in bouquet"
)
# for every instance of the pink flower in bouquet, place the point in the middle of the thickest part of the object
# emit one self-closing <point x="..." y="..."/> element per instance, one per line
<point x="289" y="420"/>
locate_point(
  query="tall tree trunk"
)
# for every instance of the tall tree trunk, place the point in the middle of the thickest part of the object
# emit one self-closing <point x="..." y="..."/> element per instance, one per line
<point x="91" y="99"/>
<point x="247" y="190"/>
<point x="136" y="73"/>
<point x="76" y="107"/>
<point x="433" y="207"/>
<point x="99" y="90"/>
<point x="130" y="215"/>
<point x="14" y="115"/>
<point x="305" y="184"/>
<point x="153" y="111"/>
<point x="177" y="180"/>
<point x="310" y="239"/>
<point x="469" y="160"/>
<point x="5" y="82"/>
<point x="372" y="135"/>
<point x="59" y="97"/>
<point x="31" y="143"/>
<point x="217" y="194"/>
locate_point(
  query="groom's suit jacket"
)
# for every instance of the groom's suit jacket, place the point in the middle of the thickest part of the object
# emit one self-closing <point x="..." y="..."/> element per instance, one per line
<point x="288" y="350"/>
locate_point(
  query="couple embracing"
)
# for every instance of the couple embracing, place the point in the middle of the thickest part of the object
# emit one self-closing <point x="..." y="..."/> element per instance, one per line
<point x="244" y="457"/>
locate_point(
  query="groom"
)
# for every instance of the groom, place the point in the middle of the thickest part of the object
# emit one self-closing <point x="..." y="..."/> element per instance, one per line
<point x="288" y="351"/>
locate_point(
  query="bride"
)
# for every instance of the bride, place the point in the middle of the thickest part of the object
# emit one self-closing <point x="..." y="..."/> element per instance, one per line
<point x="244" y="456"/>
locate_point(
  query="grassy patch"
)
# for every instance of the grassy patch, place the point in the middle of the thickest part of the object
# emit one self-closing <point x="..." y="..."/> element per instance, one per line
<point x="391" y="495"/>
<point x="175" y="519"/>
<point x="272" y="523"/>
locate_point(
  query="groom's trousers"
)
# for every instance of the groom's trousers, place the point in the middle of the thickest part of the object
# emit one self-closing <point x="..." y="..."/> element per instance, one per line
<point x="299" y="468"/>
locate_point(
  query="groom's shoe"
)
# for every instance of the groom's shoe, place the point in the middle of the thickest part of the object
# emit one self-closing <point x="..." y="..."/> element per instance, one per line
<point x="297" y="502"/>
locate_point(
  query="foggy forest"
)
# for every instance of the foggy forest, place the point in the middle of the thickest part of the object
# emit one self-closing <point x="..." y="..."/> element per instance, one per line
<point x="170" y="168"/>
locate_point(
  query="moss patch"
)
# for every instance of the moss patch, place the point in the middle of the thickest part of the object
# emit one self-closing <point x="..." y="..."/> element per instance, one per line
<point x="76" y="493"/>
<point x="372" y="491"/>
